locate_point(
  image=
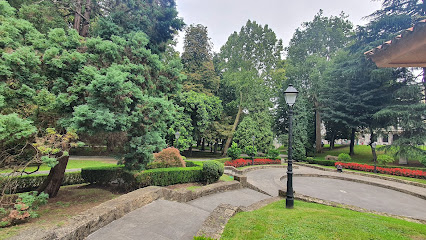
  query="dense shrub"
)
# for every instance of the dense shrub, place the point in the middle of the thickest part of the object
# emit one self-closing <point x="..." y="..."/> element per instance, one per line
<point x="212" y="171"/>
<point x="193" y="164"/>
<point x="24" y="208"/>
<point x="101" y="175"/>
<point x="384" y="159"/>
<point x="170" y="157"/>
<point x="320" y="162"/>
<point x="422" y="160"/>
<point x="250" y="150"/>
<point x="168" y="176"/>
<point x="390" y="171"/>
<point x="32" y="182"/>
<point x="273" y="153"/>
<point x="234" y="151"/>
<point x="344" y="157"/>
<point x="241" y="162"/>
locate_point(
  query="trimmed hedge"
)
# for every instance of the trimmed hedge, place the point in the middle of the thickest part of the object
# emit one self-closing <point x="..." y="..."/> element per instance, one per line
<point x="320" y="162"/>
<point x="101" y="175"/>
<point x="168" y="176"/>
<point x="152" y="177"/>
<point x="32" y="182"/>
<point x="212" y="171"/>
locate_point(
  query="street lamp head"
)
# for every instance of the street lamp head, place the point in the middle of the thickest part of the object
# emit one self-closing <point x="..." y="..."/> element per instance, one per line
<point x="373" y="145"/>
<point x="253" y="138"/>
<point x="177" y="135"/>
<point x="290" y="95"/>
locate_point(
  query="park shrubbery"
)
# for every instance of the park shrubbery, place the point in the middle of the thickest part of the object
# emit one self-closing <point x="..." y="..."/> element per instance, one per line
<point x="31" y="182"/>
<point x="212" y="171"/>
<point x="208" y="171"/>
<point x="241" y="162"/>
<point x="168" y="157"/>
<point x="390" y="171"/>
<point x="344" y="157"/>
<point x="320" y="162"/>
<point x="234" y="151"/>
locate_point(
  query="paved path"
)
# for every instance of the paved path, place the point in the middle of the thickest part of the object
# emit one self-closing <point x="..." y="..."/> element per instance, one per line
<point x="352" y="193"/>
<point x="164" y="219"/>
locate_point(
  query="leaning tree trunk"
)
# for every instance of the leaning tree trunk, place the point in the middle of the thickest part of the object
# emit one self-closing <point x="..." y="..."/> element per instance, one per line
<point x="351" y="146"/>
<point x="234" y="127"/>
<point x="318" y="140"/>
<point x="56" y="175"/>
<point x="332" y="141"/>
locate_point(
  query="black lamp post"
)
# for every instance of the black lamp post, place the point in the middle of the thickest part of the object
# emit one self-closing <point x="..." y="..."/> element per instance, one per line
<point x="290" y="95"/>
<point x="177" y="135"/>
<point x="373" y="146"/>
<point x="252" y="159"/>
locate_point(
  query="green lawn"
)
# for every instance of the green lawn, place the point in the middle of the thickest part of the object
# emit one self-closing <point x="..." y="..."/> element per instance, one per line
<point x="362" y="153"/>
<point x="315" y="221"/>
<point x="72" y="164"/>
<point x="226" y="178"/>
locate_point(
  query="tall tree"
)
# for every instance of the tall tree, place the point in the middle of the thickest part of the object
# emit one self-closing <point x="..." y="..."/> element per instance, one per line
<point x="197" y="60"/>
<point x="312" y="45"/>
<point x="246" y="63"/>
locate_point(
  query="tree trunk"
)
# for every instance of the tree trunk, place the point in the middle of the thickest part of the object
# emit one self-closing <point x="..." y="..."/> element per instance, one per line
<point x="54" y="180"/>
<point x="190" y="151"/>
<point x="237" y="119"/>
<point x="318" y="139"/>
<point x="215" y="145"/>
<point x="86" y="21"/>
<point x="351" y="146"/>
<point x="203" y="144"/>
<point x="77" y="15"/>
<point x="332" y="140"/>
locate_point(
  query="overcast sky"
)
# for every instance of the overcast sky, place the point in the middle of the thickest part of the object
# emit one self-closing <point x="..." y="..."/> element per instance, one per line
<point x="223" y="17"/>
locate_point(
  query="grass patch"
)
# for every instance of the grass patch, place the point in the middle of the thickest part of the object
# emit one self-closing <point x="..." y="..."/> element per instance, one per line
<point x="72" y="164"/>
<point x="193" y="188"/>
<point x="315" y="221"/>
<point x="226" y="178"/>
<point x="70" y="201"/>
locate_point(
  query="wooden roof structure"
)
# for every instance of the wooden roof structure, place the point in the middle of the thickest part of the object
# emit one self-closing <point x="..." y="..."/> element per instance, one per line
<point x="406" y="50"/>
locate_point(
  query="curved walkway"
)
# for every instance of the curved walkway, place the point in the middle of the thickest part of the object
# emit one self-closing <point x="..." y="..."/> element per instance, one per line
<point x="347" y="189"/>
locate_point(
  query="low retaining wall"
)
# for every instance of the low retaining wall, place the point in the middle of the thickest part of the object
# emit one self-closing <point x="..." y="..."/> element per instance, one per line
<point x="253" y="168"/>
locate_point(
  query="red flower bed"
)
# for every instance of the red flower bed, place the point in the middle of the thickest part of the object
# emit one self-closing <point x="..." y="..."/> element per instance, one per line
<point x="247" y="162"/>
<point x="390" y="171"/>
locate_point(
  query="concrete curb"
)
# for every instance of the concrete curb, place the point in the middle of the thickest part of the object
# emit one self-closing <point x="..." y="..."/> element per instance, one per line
<point x="361" y="181"/>
<point x="366" y="175"/>
<point x="236" y="171"/>
<point x="305" y="198"/>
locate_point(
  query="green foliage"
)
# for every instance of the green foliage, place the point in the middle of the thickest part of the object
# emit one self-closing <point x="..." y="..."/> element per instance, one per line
<point x="169" y="157"/>
<point x="212" y="171"/>
<point x="250" y="150"/>
<point x="101" y="175"/>
<point x="422" y="160"/>
<point x="14" y="129"/>
<point x="258" y="125"/>
<point x="320" y="162"/>
<point x="234" y="151"/>
<point x="169" y="176"/>
<point x="273" y="153"/>
<point x="24" y="208"/>
<point x="27" y="183"/>
<point x="384" y="159"/>
<point x="344" y="157"/>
